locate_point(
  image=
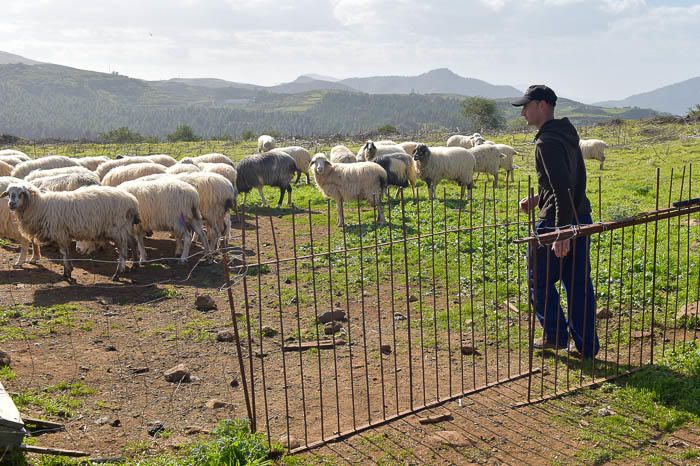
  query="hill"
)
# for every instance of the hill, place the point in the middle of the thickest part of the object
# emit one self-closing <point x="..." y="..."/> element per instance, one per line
<point x="675" y="98"/>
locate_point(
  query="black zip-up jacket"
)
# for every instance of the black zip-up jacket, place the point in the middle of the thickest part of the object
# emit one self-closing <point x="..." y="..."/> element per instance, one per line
<point x="560" y="167"/>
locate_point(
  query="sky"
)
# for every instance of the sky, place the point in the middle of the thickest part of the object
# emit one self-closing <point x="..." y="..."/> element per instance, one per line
<point x="588" y="50"/>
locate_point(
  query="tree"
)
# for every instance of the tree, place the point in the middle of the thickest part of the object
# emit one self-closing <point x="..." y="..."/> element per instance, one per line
<point x="694" y="113"/>
<point x="183" y="133"/>
<point x="121" y="135"/>
<point x="387" y="129"/>
<point x="484" y="112"/>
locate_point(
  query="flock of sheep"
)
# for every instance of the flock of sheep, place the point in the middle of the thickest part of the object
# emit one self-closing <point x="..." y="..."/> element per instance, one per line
<point x="97" y="200"/>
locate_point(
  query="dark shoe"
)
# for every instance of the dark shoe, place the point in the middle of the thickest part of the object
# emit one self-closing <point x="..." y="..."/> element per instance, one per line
<point x="542" y="344"/>
<point x="575" y="353"/>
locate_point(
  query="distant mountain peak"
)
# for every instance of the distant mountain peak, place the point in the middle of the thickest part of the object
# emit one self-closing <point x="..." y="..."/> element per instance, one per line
<point x="318" y="77"/>
<point x="7" y="58"/>
<point x="441" y="72"/>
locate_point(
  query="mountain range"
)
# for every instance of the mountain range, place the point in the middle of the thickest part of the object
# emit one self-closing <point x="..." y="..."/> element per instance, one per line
<point x="675" y="98"/>
<point x="43" y="100"/>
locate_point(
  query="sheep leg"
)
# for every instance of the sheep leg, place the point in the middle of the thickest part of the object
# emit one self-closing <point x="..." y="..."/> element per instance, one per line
<point x="262" y="196"/>
<point x="197" y="227"/>
<point x="431" y="191"/>
<point x="495" y="180"/>
<point x="341" y="217"/>
<point x="298" y="177"/>
<point x="187" y="242"/>
<point x="122" y="247"/>
<point x="67" y="267"/>
<point x="307" y="178"/>
<point x="512" y="176"/>
<point x="22" y="253"/>
<point x="289" y="196"/>
<point x="469" y="187"/>
<point x="380" y="213"/>
<point x="601" y="164"/>
<point x="36" y="252"/>
<point x="142" y="248"/>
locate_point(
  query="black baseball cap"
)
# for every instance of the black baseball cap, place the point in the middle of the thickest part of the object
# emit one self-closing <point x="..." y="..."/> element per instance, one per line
<point x="536" y="92"/>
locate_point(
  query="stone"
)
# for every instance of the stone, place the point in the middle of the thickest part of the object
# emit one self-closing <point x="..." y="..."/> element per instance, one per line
<point x="641" y="334"/>
<point x="606" y="412"/>
<point x="155" y="427"/>
<point x="399" y="317"/>
<point x="225" y="336"/>
<point x="291" y="441"/>
<point x="435" y="418"/>
<point x="604" y="313"/>
<point x="110" y="348"/>
<point x="102" y="421"/>
<point x="139" y="370"/>
<point x="330" y="316"/>
<point x="412" y="299"/>
<point x="195" y="430"/>
<point x="469" y="350"/>
<point x="331" y="327"/>
<point x="468" y="323"/>
<point x="218" y="404"/>
<point x="690" y="311"/>
<point x="385" y="349"/>
<point x="5" y="359"/>
<point x="449" y="438"/>
<point x="205" y="303"/>
<point x="178" y="374"/>
<point x="269" y="332"/>
<point x="234" y="383"/>
<point x="116" y="423"/>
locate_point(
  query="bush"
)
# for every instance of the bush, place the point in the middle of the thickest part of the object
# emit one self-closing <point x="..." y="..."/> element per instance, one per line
<point x="121" y="135"/>
<point x="248" y="135"/>
<point x="484" y="112"/>
<point x="183" y="133"/>
<point x="387" y="129"/>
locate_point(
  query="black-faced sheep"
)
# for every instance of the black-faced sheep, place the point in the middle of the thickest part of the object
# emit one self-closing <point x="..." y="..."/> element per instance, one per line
<point x="267" y="169"/>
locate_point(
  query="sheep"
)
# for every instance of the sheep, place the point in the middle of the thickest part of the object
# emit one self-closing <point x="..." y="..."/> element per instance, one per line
<point x="119" y="175"/>
<point x="488" y="160"/>
<point x="10" y="229"/>
<point x="161" y="159"/>
<point x="265" y="143"/>
<point x="385" y="142"/>
<point x="507" y="156"/>
<point x="15" y="153"/>
<point x="445" y="163"/>
<point x="593" y="149"/>
<point x="341" y="154"/>
<point x="222" y="169"/>
<point x="36" y="174"/>
<point x="91" y="163"/>
<point x="370" y="150"/>
<point x="44" y="163"/>
<point x="9" y="159"/>
<point x="66" y="182"/>
<point x="5" y="168"/>
<point x="267" y="169"/>
<point x="346" y="182"/>
<point x="409" y="147"/>
<point x="458" y="140"/>
<point x="213" y="157"/>
<point x="105" y="167"/>
<point x="182" y="168"/>
<point x="302" y="158"/>
<point x="166" y="204"/>
<point x="91" y="213"/>
<point x="400" y="170"/>
<point x="216" y="196"/>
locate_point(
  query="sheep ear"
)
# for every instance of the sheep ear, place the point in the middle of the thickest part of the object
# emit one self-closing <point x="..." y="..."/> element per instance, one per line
<point x="4" y="194"/>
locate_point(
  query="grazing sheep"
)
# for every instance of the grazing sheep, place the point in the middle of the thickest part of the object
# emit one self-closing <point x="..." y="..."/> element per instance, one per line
<point x="36" y="174"/>
<point x="216" y="197"/>
<point x="341" y="154"/>
<point x="91" y="163"/>
<point x="15" y="153"/>
<point x="268" y="169"/>
<point x="119" y="175"/>
<point x="445" y="163"/>
<point x="91" y="213"/>
<point x="400" y="170"/>
<point x="347" y="182"/>
<point x="458" y="140"/>
<point x="371" y="150"/>
<point x="44" y="163"/>
<point x="9" y="228"/>
<point x="9" y="159"/>
<point x="302" y="158"/>
<point x="488" y="160"/>
<point x="222" y="169"/>
<point x="409" y="147"/>
<point x="66" y="182"/>
<point x="161" y="159"/>
<point x="182" y="168"/>
<point x="167" y="204"/>
<point x="5" y="168"/>
<point x="593" y="149"/>
<point x="266" y="143"/>
<point x="105" y="167"/>
<point x="213" y="157"/>
<point x="385" y="142"/>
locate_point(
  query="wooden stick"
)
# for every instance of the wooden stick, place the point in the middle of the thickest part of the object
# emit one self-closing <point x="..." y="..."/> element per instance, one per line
<point x="52" y="451"/>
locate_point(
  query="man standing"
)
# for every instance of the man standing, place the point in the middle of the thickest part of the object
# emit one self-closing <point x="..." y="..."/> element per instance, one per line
<point x="561" y="198"/>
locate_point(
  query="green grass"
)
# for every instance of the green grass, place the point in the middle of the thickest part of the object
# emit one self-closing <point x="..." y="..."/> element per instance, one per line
<point x="30" y="322"/>
<point x="62" y="400"/>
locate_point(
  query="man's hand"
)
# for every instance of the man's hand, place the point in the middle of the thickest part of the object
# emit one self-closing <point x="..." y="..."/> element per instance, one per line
<point x="529" y="203"/>
<point x="561" y="247"/>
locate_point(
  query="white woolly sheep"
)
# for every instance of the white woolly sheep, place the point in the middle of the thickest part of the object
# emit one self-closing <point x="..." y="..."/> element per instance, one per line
<point x="409" y="147"/>
<point x="36" y="174"/>
<point x="15" y="153"/>
<point x="302" y="158"/>
<point x="227" y="171"/>
<point x="66" y="182"/>
<point x="119" y="175"/>
<point x="593" y="149"/>
<point x="9" y="228"/>
<point x="508" y="154"/>
<point x="9" y="159"/>
<point x="385" y="142"/>
<point x="91" y="213"/>
<point x="91" y="163"/>
<point x="488" y="160"/>
<point x="213" y="157"/>
<point x="266" y="143"/>
<point x="267" y="169"/>
<point x="182" y="168"/>
<point x="44" y="163"/>
<point x="459" y="140"/>
<point x="5" y="168"/>
<point x="348" y="182"/>
<point x="445" y="163"/>
<point x="341" y="154"/>
<point x="167" y="204"/>
<point x="105" y="167"/>
<point x="370" y="150"/>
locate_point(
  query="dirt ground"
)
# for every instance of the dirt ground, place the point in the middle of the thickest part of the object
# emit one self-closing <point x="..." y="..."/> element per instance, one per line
<point x="120" y="338"/>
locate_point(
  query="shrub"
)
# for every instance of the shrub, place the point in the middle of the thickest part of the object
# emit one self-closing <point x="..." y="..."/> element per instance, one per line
<point x="183" y="133"/>
<point x="121" y="135"/>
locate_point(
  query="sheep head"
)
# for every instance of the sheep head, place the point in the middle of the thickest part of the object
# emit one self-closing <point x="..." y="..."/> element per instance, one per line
<point x="18" y="195"/>
<point x="320" y="163"/>
<point x="421" y="153"/>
